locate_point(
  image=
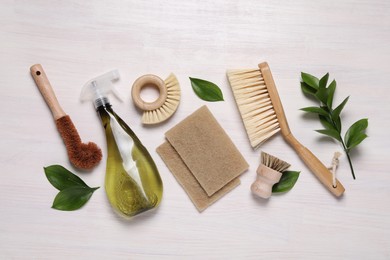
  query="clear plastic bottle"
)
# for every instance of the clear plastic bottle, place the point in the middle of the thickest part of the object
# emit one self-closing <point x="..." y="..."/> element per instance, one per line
<point x="133" y="184"/>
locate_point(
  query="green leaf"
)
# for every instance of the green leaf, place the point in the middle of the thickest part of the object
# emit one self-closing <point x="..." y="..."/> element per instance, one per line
<point x="354" y="134"/>
<point x="287" y="181"/>
<point x="324" y="81"/>
<point x="310" y="80"/>
<point x="206" y="90"/>
<point x="307" y="89"/>
<point x="322" y="95"/>
<point x="74" y="192"/>
<point x="357" y="139"/>
<point x="61" y="178"/>
<point x="336" y="112"/>
<point x="330" y="132"/>
<point x="356" y="128"/>
<point x="326" y="122"/>
<point x="331" y="89"/>
<point x="72" y="198"/>
<point x="317" y="110"/>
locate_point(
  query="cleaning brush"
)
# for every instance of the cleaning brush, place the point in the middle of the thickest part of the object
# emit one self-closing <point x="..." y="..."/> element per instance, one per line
<point x="268" y="173"/>
<point x="166" y="104"/>
<point x="263" y="116"/>
<point x="83" y="156"/>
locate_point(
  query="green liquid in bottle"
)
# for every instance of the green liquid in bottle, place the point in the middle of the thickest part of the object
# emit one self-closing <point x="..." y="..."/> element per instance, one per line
<point x="133" y="184"/>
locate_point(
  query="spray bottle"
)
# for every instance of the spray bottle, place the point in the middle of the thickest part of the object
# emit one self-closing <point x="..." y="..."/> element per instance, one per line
<point x="133" y="184"/>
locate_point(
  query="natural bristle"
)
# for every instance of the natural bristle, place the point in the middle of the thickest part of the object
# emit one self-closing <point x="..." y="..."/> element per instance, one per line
<point x="83" y="156"/>
<point x="170" y="105"/>
<point x="274" y="162"/>
<point x="254" y="104"/>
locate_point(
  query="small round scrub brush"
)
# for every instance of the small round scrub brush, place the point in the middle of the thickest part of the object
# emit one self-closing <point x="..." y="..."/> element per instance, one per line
<point x="81" y="155"/>
<point x="269" y="172"/>
<point x="166" y="104"/>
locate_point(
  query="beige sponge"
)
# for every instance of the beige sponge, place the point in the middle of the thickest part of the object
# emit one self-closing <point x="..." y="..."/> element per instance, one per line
<point x="189" y="183"/>
<point x="207" y="152"/>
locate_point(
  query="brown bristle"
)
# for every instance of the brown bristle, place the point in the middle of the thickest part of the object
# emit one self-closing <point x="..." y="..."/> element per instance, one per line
<point x="273" y="162"/>
<point x="83" y="156"/>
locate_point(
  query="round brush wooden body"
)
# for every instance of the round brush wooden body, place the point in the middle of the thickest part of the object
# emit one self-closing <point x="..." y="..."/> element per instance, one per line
<point x="266" y="178"/>
<point x="268" y="173"/>
<point x="83" y="156"/>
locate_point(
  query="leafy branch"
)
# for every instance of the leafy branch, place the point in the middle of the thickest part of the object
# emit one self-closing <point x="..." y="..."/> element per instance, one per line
<point x="329" y="116"/>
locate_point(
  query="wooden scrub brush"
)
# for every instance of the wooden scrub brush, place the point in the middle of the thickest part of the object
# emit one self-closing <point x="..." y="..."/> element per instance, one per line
<point x="81" y="155"/>
<point x="263" y="116"/>
<point x="165" y="105"/>
<point x="268" y="173"/>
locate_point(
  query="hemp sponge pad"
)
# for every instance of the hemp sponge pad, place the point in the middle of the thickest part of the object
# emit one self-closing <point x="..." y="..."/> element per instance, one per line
<point x="207" y="150"/>
<point x="187" y="180"/>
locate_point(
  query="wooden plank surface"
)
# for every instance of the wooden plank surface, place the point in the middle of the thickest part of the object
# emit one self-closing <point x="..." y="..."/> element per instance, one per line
<point x="78" y="40"/>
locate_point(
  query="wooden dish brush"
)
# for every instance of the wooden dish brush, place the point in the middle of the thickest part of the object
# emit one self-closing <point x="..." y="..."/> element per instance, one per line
<point x="165" y="105"/>
<point x="269" y="172"/>
<point x="81" y="155"/>
<point x="263" y="116"/>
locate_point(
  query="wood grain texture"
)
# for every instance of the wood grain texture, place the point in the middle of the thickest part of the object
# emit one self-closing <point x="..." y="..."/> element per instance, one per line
<point x="78" y="40"/>
<point x="44" y="86"/>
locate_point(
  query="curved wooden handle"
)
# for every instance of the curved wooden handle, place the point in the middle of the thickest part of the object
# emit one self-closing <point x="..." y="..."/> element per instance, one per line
<point x="46" y="90"/>
<point x="316" y="166"/>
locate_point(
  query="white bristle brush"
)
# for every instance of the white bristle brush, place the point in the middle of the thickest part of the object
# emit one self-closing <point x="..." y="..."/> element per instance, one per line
<point x="166" y="104"/>
<point x="263" y="116"/>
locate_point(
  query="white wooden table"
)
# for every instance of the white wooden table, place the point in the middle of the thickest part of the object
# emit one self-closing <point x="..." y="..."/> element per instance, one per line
<point x="78" y="40"/>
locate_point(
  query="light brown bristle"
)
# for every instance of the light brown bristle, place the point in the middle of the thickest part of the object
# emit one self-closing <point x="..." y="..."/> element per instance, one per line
<point x="254" y="104"/>
<point x="83" y="156"/>
<point x="274" y="162"/>
<point x="169" y="107"/>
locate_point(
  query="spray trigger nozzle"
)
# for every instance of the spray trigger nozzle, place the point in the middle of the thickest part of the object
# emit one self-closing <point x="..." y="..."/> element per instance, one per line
<point x="97" y="89"/>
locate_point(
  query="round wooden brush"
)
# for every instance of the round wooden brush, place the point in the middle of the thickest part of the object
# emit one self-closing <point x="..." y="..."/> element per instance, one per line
<point x="269" y="172"/>
<point x="166" y="104"/>
<point x="81" y="155"/>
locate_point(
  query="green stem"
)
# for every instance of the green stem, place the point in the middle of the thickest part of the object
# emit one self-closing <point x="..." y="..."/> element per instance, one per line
<point x="344" y="146"/>
<point x="349" y="159"/>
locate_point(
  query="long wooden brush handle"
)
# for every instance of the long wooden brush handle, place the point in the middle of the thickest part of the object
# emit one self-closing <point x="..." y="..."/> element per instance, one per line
<point x="46" y="90"/>
<point x="316" y="166"/>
